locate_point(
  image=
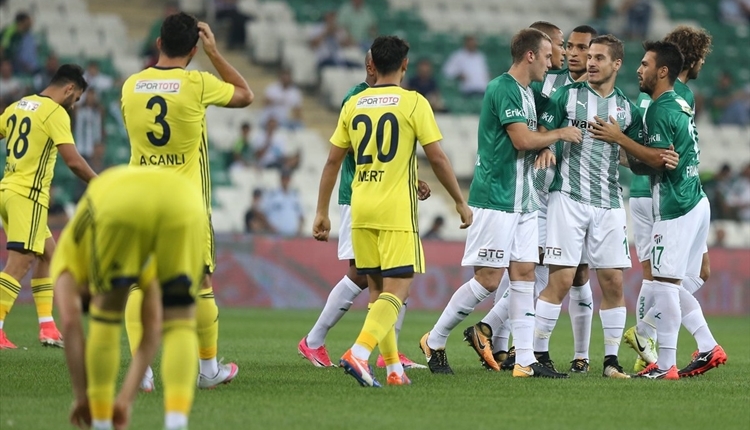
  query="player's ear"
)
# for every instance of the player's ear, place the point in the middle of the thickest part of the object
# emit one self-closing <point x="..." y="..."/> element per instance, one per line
<point x="194" y="51"/>
<point x="618" y="64"/>
<point x="405" y="64"/>
<point x="158" y="43"/>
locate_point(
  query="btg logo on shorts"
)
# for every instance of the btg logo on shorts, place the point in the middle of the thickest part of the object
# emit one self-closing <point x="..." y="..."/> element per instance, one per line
<point x="494" y="255"/>
<point x="552" y="252"/>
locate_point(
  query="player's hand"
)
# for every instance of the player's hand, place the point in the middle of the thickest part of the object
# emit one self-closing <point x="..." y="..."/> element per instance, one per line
<point x="207" y="36"/>
<point x="467" y="216"/>
<point x="80" y="414"/>
<point x="423" y="190"/>
<point x="321" y="228"/>
<point x="545" y="158"/>
<point x="571" y="134"/>
<point x="605" y="131"/>
<point x="671" y="158"/>
<point x="121" y="415"/>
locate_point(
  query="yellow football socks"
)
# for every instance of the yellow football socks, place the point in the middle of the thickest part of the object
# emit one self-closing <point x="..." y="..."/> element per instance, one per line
<point x="9" y="289"/>
<point x="207" y="315"/>
<point x="102" y="361"/>
<point x="380" y="320"/>
<point x="179" y="365"/>
<point x="41" y="288"/>
<point x="133" y="325"/>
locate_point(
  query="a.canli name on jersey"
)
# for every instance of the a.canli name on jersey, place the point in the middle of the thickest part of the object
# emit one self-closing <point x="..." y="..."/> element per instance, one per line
<point x="161" y="86"/>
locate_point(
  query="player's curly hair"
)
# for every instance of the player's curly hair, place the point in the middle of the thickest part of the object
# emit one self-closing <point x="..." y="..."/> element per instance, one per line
<point x="179" y="34"/>
<point x="694" y="43"/>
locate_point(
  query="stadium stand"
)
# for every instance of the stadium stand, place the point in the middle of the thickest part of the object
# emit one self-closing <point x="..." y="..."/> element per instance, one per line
<point x="277" y="37"/>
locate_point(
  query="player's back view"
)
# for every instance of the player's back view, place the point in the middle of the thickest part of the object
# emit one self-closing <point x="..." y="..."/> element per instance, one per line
<point x="164" y="109"/>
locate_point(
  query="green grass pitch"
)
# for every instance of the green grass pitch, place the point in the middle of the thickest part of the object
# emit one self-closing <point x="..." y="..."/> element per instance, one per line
<point x="276" y="389"/>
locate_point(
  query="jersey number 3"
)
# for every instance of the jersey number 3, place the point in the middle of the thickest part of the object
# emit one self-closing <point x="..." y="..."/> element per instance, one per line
<point x="379" y="137"/>
<point x="21" y="145"/>
<point x="159" y="120"/>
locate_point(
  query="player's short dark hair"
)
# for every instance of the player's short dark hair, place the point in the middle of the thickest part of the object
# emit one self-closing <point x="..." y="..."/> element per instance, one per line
<point x="615" y="45"/>
<point x="586" y="29"/>
<point x="179" y="34"/>
<point x="67" y="74"/>
<point x="528" y="39"/>
<point x="388" y="52"/>
<point x="545" y="27"/>
<point x="667" y="55"/>
<point x="21" y="17"/>
<point x="694" y="43"/>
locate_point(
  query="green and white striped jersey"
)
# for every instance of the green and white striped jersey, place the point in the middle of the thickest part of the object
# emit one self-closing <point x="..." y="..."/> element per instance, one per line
<point x="503" y="176"/>
<point x="588" y="172"/>
<point x="553" y="80"/>
<point x="669" y="121"/>
<point x="640" y="186"/>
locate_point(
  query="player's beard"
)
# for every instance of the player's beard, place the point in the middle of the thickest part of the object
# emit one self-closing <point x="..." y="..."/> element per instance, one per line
<point x="693" y="72"/>
<point x="647" y="84"/>
<point x="69" y="102"/>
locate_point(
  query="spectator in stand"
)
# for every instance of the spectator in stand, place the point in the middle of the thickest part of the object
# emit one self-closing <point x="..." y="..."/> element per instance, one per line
<point x="738" y="199"/>
<point x="735" y="12"/>
<point x="43" y="78"/>
<point x="227" y="10"/>
<point x="18" y="45"/>
<point x="728" y="104"/>
<point x="282" y="208"/>
<point x="283" y="101"/>
<point x="435" y="232"/>
<point x="268" y="147"/>
<point x="88" y="128"/>
<point x="638" y="18"/>
<point x="424" y="83"/>
<point x="11" y="88"/>
<point x="149" y="49"/>
<point x="242" y="151"/>
<point x="469" y="66"/>
<point x="328" y="39"/>
<point x="717" y="189"/>
<point x="255" y="219"/>
<point x="719" y="238"/>
<point x="97" y="80"/>
<point x="358" y="19"/>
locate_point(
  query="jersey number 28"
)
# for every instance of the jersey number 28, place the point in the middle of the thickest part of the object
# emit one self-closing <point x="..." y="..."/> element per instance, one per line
<point x="21" y="145"/>
<point x="379" y="137"/>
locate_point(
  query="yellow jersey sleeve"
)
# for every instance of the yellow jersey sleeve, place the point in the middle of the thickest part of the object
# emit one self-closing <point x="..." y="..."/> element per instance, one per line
<point x="341" y="136"/>
<point x="423" y="122"/>
<point x="58" y="127"/>
<point x="215" y="91"/>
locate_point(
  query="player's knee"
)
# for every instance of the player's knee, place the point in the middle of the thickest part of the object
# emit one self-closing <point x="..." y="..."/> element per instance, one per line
<point x="581" y="276"/>
<point x="176" y="293"/>
<point x="19" y="264"/>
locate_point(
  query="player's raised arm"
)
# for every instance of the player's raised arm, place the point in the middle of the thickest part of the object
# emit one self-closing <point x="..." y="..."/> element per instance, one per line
<point x="243" y="95"/>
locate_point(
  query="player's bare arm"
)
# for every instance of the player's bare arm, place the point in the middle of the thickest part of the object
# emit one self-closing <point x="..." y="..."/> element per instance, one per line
<point x="322" y="224"/>
<point x="70" y="308"/>
<point x="642" y="159"/>
<point x="76" y="162"/>
<point x="444" y="172"/>
<point x="243" y="95"/>
<point x="527" y="140"/>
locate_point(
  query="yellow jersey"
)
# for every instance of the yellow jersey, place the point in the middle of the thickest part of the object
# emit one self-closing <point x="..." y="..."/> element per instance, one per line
<point x="383" y="124"/>
<point x="164" y="110"/>
<point x="33" y="127"/>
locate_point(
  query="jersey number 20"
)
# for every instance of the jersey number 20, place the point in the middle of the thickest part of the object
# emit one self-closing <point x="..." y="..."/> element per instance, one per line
<point x="21" y="145"/>
<point x="166" y="131"/>
<point x="379" y="137"/>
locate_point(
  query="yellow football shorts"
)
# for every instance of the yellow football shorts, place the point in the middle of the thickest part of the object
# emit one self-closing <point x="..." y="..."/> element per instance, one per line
<point x="24" y="222"/>
<point x="386" y="252"/>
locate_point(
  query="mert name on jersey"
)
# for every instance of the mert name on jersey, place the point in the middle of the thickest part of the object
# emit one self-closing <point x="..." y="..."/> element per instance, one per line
<point x="158" y="86"/>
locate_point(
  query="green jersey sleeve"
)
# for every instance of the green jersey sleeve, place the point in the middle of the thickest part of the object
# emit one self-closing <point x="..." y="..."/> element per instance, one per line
<point x="554" y="115"/>
<point x="635" y="128"/>
<point x="509" y="104"/>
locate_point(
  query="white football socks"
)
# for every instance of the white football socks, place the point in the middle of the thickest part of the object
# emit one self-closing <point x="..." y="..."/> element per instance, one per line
<point x="339" y="301"/>
<point x="522" y="320"/>
<point x="613" y="323"/>
<point x="545" y="321"/>
<point x="581" y="310"/>
<point x="462" y="303"/>
<point x="695" y="322"/>
<point x="400" y="319"/>
<point x="646" y="324"/>
<point x="667" y="316"/>
<point x="499" y="317"/>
